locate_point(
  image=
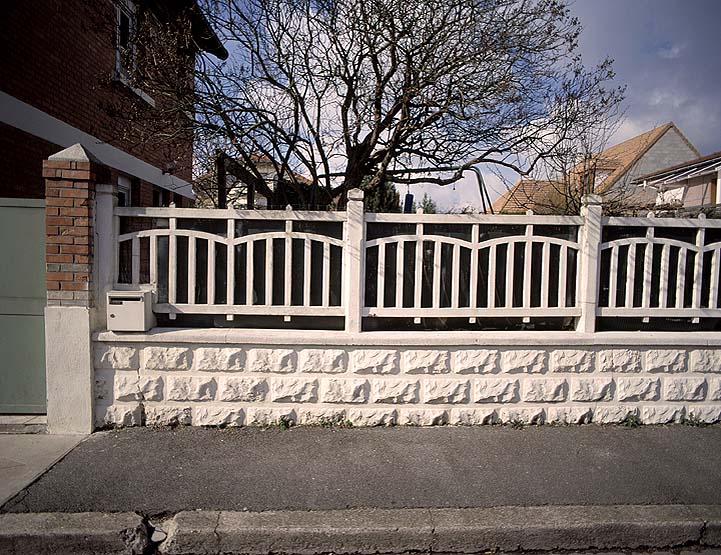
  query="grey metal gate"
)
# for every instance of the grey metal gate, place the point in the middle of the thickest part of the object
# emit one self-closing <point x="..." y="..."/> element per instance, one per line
<point x="22" y="301"/>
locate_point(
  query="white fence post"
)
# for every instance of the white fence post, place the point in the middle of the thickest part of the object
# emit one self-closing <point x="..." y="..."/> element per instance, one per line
<point x="354" y="267"/>
<point x="106" y="199"/>
<point x="590" y="254"/>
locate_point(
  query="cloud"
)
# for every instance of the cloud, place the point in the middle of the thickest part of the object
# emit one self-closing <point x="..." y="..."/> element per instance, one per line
<point x="670" y="51"/>
<point x="668" y="98"/>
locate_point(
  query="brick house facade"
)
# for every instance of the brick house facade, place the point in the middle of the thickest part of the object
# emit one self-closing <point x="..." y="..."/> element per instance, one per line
<point x="59" y="74"/>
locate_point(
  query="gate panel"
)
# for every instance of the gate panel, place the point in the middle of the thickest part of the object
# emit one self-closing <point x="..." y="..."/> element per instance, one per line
<point x="22" y="301"/>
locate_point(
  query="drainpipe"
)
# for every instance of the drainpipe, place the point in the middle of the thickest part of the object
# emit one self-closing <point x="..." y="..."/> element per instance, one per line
<point x="718" y="186"/>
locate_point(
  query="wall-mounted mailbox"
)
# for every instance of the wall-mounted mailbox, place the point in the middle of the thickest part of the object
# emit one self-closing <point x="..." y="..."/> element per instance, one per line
<point x="130" y="311"/>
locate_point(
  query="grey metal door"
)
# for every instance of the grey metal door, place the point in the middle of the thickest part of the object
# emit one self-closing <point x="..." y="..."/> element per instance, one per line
<point x="22" y="301"/>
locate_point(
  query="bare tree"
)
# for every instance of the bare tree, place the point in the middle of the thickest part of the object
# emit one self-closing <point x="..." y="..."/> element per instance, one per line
<point x="351" y="93"/>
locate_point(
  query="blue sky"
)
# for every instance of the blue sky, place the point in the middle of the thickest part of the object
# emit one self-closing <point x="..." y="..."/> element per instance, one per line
<point x="667" y="52"/>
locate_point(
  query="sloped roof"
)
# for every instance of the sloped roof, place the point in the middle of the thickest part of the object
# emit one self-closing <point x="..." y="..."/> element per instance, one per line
<point x="520" y="197"/>
<point x="618" y="159"/>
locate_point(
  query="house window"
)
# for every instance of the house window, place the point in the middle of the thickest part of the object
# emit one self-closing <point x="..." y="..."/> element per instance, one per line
<point x="161" y="197"/>
<point x="124" y="191"/>
<point x="125" y="37"/>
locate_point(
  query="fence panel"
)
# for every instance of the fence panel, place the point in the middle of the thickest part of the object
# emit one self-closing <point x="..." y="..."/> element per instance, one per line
<point x="273" y="263"/>
<point x="660" y="267"/>
<point x="470" y="266"/>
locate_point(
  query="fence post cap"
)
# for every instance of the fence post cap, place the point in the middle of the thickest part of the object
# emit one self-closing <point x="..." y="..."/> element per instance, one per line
<point x="74" y="153"/>
<point x="592" y="200"/>
<point x="355" y="194"/>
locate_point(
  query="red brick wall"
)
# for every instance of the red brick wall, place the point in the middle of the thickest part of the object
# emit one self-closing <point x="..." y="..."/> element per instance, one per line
<point x="21" y="173"/>
<point x="70" y="195"/>
<point x="59" y="56"/>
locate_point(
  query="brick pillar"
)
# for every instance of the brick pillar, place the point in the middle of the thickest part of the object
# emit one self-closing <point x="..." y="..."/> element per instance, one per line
<point x="70" y="182"/>
<point x="70" y="178"/>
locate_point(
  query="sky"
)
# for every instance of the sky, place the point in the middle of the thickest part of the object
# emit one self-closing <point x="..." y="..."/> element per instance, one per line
<point x="667" y="53"/>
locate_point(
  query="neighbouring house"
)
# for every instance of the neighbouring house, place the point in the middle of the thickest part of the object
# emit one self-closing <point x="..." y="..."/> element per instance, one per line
<point x="244" y="195"/>
<point x="692" y="184"/>
<point x="65" y="67"/>
<point x="612" y="173"/>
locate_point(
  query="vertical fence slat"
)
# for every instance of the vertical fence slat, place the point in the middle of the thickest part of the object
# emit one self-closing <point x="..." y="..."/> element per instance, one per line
<point x="381" y="276"/>
<point x="647" y="269"/>
<point x="400" y="272"/>
<point x="288" y="263"/>
<point x="613" y="278"/>
<point x="268" y="272"/>
<point x="510" y="262"/>
<point x="172" y="262"/>
<point x="436" y="274"/>
<point x="191" y="270"/>
<point x="116" y="250"/>
<point x="326" y="274"/>
<point x="527" y="275"/>
<point x="211" y="272"/>
<point x="249" y="272"/>
<point x="154" y="261"/>
<point x="307" y="256"/>
<point x="681" y="280"/>
<point x="418" y="283"/>
<point x="455" y="276"/>
<point x="545" y="274"/>
<point x="713" y="286"/>
<point x="492" y="277"/>
<point x="562" y="276"/>
<point x="630" y="275"/>
<point x="135" y="259"/>
<point x="230" y="266"/>
<point x="663" y="282"/>
<point x="698" y="268"/>
<point x="473" y="277"/>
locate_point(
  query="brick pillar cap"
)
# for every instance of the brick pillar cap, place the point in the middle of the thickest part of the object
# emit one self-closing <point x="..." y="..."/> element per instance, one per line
<point x="75" y="153"/>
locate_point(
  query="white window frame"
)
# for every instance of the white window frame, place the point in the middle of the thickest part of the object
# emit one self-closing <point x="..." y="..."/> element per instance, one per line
<point x="129" y="9"/>
<point x="125" y="186"/>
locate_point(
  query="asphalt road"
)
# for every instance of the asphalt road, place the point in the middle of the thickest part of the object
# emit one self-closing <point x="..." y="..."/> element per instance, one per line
<point x="162" y="471"/>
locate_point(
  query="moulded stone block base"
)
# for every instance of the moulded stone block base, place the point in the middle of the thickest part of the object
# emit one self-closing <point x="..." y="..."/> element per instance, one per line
<point x="170" y="383"/>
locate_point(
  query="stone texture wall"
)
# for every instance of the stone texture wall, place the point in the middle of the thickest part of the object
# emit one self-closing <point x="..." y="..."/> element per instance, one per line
<point x="205" y="385"/>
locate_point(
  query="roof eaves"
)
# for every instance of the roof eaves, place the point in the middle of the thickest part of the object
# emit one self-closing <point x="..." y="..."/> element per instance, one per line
<point x="709" y="158"/>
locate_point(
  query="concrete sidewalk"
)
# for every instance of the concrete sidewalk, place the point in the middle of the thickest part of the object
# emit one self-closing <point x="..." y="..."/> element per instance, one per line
<point x="163" y="471"/>
<point x="24" y="457"/>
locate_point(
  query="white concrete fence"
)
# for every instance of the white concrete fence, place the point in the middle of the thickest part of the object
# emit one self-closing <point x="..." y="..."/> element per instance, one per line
<point x="360" y="265"/>
<point x="400" y="269"/>
<point x="350" y="273"/>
